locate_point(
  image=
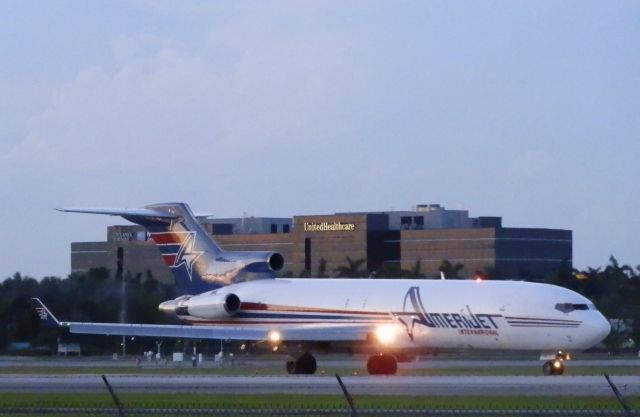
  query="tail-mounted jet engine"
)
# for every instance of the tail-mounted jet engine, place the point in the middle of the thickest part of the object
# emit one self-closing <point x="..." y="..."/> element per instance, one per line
<point x="230" y="267"/>
<point x="257" y="261"/>
<point x="206" y="306"/>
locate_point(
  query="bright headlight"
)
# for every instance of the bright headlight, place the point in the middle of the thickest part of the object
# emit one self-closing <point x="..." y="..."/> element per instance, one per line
<point x="386" y="333"/>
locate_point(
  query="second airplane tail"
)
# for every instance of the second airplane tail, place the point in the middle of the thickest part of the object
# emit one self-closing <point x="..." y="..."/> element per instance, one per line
<point x="195" y="259"/>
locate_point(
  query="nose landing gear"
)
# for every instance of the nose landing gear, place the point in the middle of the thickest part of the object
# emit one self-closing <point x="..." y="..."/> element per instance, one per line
<point x="555" y="366"/>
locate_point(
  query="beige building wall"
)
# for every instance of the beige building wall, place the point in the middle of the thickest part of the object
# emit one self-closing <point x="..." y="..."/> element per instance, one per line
<point x="473" y="248"/>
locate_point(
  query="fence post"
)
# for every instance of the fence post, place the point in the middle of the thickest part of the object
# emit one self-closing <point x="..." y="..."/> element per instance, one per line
<point x="354" y="412"/>
<point x="114" y="396"/>
<point x="624" y="405"/>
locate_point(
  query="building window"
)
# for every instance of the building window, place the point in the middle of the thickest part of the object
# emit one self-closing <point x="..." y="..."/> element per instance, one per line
<point x="405" y="222"/>
<point x="119" y="261"/>
<point x="285" y="228"/>
<point x="274" y="228"/>
<point x="307" y="254"/>
<point x="419" y="222"/>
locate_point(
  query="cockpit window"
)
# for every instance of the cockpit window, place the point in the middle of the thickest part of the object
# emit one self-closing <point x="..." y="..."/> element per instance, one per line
<point x="569" y="307"/>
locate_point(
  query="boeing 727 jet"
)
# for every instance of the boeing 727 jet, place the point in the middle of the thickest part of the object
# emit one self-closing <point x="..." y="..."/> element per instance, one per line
<point x="236" y="296"/>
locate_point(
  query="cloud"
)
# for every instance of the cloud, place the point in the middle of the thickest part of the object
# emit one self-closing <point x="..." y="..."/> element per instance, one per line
<point x="163" y="100"/>
<point x="203" y="122"/>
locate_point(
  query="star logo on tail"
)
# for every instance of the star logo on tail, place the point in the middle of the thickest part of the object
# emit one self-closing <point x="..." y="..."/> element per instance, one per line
<point x="187" y="255"/>
<point x="42" y="313"/>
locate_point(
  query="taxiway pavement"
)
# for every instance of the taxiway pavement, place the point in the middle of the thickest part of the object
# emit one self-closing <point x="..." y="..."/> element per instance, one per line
<point x="375" y="385"/>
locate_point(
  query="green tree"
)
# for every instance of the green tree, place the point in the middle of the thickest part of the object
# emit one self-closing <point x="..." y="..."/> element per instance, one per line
<point x="353" y="269"/>
<point x="322" y="268"/>
<point x="450" y="271"/>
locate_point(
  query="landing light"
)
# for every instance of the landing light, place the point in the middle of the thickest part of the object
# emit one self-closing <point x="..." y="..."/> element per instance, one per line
<point x="557" y="364"/>
<point x="274" y="336"/>
<point x="386" y="333"/>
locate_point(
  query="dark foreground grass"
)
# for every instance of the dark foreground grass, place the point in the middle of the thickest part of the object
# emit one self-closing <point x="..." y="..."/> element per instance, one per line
<point x="288" y="401"/>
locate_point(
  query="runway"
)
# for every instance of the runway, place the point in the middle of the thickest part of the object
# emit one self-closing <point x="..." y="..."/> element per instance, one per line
<point x="376" y="385"/>
<point x="332" y="361"/>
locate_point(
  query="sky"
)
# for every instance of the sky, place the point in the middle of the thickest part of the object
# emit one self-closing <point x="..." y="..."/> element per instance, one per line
<point x="526" y="110"/>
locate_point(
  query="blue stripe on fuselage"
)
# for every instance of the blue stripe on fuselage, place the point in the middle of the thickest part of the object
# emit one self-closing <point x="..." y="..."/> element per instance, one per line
<point x="246" y="315"/>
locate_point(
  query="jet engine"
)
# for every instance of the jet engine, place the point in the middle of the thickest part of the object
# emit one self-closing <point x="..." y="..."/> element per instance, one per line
<point x="205" y="306"/>
<point x="256" y="261"/>
<point x="231" y="267"/>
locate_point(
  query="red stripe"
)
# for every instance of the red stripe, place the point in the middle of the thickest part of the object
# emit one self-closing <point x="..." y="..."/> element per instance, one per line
<point x="540" y="319"/>
<point x="236" y="322"/>
<point x="280" y="309"/>
<point x="168" y="238"/>
<point x="253" y="306"/>
<point x="170" y="260"/>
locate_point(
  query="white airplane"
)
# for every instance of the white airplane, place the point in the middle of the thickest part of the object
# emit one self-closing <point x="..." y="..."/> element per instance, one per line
<point x="235" y="296"/>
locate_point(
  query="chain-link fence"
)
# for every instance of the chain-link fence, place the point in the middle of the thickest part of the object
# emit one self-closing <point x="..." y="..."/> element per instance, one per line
<point x="310" y="412"/>
<point x="622" y="409"/>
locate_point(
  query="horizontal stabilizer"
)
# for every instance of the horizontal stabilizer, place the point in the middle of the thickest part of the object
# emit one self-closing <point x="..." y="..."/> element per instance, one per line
<point x="124" y="212"/>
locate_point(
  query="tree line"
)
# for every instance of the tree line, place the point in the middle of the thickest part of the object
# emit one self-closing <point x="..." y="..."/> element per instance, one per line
<point x="93" y="296"/>
<point x="100" y="296"/>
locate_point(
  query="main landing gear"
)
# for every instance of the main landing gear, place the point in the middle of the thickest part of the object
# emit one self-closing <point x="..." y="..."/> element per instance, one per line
<point x="305" y="364"/>
<point x="382" y="364"/>
<point x="555" y="366"/>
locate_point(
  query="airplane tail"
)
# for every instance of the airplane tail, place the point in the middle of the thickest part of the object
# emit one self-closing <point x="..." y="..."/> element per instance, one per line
<point x="195" y="259"/>
<point x="45" y="315"/>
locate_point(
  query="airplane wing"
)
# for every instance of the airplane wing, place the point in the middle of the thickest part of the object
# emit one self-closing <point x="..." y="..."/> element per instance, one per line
<point x="302" y="332"/>
<point x="291" y="333"/>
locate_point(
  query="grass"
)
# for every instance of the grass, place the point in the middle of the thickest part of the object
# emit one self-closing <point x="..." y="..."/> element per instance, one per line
<point x="287" y="401"/>
<point x="294" y="401"/>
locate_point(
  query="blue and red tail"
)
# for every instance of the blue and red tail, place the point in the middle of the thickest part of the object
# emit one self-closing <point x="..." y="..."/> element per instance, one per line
<point x="195" y="259"/>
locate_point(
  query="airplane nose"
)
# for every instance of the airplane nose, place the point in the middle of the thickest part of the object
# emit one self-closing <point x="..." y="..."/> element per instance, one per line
<point x="596" y="329"/>
<point x="603" y="327"/>
<point x="168" y="307"/>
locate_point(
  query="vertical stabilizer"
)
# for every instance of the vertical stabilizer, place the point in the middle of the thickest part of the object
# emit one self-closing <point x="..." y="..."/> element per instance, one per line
<point x="195" y="259"/>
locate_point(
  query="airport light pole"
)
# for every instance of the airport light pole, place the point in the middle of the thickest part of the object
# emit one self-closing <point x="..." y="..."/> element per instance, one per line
<point x="123" y="314"/>
<point x="123" y="295"/>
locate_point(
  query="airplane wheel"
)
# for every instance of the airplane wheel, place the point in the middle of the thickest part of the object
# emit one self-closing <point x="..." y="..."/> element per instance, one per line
<point x="291" y="366"/>
<point x="382" y="364"/>
<point x="553" y="367"/>
<point x="304" y="365"/>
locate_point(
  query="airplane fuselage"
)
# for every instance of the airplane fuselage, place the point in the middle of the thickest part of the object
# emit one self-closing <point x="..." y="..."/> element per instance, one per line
<point x="425" y="313"/>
